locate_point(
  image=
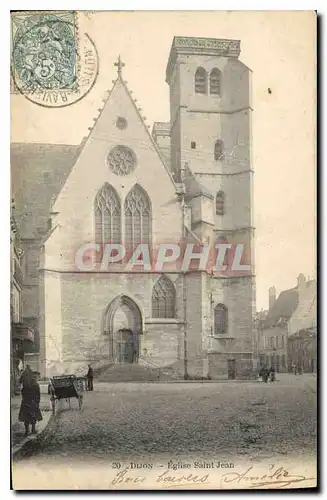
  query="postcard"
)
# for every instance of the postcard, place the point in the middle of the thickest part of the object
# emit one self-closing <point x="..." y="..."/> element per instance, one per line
<point x="163" y="273"/>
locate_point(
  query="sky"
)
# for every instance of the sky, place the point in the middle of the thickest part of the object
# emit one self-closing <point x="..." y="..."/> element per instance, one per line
<point x="280" y="49"/>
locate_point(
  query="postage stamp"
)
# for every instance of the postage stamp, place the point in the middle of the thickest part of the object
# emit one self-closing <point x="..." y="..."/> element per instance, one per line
<point x="49" y="58"/>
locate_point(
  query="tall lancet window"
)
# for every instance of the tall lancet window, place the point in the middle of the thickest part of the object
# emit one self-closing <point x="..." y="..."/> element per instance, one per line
<point x="163" y="299"/>
<point x="137" y="218"/>
<point x="107" y="216"/>
<point x="221" y="319"/>
<point x="200" y="81"/>
<point x="215" y="81"/>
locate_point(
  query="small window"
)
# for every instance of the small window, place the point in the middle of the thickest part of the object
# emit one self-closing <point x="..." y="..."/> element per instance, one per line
<point x="221" y="319"/>
<point x="219" y="150"/>
<point x="215" y="81"/>
<point x="200" y="81"/>
<point x="193" y="145"/>
<point x="220" y="203"/>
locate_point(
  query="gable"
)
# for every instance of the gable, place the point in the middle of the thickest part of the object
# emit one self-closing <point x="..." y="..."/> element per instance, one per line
<point x="119" y="151"/>
<point x="305" y="315"/>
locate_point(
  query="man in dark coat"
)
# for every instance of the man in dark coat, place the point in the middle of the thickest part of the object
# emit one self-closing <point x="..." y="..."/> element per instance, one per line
<point x="264" y="374"/>
<point x="272" y="375"/>
<point x="90" y="378"/>
<point x="29" y="412"/>
<point x="27" y="376"/>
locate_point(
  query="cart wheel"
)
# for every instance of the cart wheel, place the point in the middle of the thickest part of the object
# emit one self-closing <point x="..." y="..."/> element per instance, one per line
<point x="80" y="402"/>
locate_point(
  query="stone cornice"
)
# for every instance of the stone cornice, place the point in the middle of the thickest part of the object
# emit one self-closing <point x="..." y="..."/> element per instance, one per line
<point x="226" y="173"/>
<point x="221" y="111"/>
<point x="235" y="230"/>
<point x="189" y="197"/>
<point x="204" y="46"/>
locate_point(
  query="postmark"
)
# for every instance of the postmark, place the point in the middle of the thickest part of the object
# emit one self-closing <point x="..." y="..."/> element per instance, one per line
<point x="53" y="64"/>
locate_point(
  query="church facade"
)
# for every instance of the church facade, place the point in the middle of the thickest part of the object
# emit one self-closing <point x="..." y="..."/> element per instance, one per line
<point x="189" y="181"/>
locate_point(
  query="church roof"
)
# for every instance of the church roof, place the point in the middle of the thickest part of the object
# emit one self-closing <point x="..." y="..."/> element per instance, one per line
<point x="38" y="172"/>
<point x="194" y="187"/>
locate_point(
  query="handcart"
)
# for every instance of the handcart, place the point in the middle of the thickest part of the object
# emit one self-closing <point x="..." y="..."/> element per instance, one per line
<point x="66" y="387"/>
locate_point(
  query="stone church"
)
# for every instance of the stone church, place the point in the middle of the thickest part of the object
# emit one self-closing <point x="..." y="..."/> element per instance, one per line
<point x="190" y="180"/>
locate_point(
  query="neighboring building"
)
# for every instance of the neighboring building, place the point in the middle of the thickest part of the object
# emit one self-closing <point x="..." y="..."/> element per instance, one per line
<point x="259" y="357"/>
<point x="191" y="181"/>
<point x="22" y="336"/>
<point x="302" y="329"/>
<point x="282" y="337"/>
<point x="38" y="173"/>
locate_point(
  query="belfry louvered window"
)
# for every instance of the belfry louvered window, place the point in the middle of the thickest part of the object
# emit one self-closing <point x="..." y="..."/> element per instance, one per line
<point x="163" y="299"/>
<point x="215" y="82"/>
<point x="221" y="319"/>
<point x="107" y="216"/>
<point x="137" y="218"/>
<point x="200" y="81"/>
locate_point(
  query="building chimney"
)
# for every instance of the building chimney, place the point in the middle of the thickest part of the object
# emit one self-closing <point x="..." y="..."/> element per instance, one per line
<point x="272" y="296"/>
<point x="301" y="282"/>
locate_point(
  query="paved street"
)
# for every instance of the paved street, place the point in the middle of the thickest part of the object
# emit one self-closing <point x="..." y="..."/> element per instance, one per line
<point x="130" y="421"/>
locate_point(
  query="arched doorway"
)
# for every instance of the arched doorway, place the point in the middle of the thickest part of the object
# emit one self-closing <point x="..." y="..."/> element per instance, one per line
<point x="123" y="325"/>
<point x="125" y="346"/>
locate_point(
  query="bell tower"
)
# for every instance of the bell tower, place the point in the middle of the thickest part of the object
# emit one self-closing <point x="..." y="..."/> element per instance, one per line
<point x="210" y="130"/>
<point x="210" y="123"/>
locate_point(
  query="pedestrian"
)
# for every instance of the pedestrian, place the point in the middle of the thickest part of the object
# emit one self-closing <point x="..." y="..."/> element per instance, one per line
<point x="264" y="374"/>
<point x="90" y="378"/>
<point x="261" y="372"/>
<point x="29" y="412"/>
<point x="272" y="375"/>
<point x="27" y="376"/>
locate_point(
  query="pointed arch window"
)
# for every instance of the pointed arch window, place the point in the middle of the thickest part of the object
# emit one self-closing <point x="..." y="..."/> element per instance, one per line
<point x="219" y="150"/>
<point x="200" y="81"/>
<point x="215" y="81"/>
<point x="107" y="210"/>
<point x="137" y="218"/>
<point x="220" y="203"/>
<point x="221" y="319"/>
<point x="163" y="299"/>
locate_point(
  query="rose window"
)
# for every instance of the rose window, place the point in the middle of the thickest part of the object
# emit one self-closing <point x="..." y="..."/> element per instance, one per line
<point x="121" y="160"/>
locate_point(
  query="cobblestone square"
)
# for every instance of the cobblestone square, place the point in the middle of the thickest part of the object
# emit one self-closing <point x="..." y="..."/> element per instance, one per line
<point x="177" y="419"/>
